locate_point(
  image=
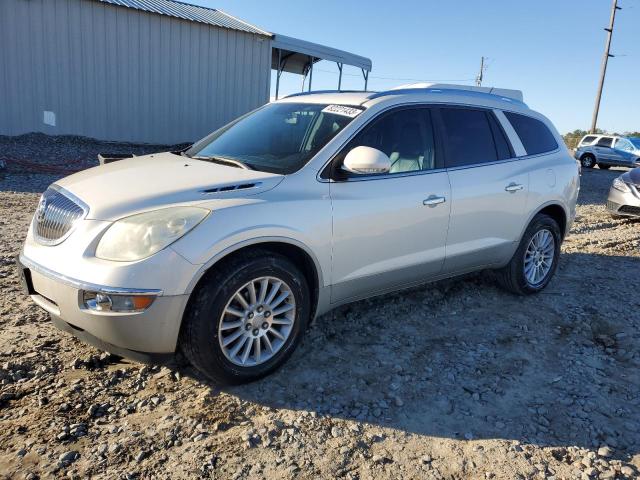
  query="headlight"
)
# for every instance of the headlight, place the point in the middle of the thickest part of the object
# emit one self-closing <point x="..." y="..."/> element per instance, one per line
<point x="142" y="235"/>
<point x="621" y="185"/>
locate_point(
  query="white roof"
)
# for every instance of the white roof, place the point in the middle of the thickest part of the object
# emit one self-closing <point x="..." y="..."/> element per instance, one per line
<point x="295" y="54"/>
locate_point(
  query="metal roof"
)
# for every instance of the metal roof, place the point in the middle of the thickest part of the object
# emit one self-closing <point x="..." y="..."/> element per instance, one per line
<point x="193" y="13"/>
<point x="297" y="53"/>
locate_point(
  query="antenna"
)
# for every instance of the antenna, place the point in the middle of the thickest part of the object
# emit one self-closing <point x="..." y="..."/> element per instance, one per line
<point x="481" y="73"/>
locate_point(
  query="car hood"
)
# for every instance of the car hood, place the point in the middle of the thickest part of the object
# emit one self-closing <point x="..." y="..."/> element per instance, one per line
<point x="138" y="184"/>
<point x="632" y="176"/>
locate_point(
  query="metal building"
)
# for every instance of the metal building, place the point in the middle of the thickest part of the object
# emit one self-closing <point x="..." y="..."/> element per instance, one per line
<point x="151" y="71"/>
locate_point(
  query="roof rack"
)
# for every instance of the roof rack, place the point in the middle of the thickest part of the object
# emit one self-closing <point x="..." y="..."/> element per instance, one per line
<point x="505" y="94"/>
<point x="313" y="92"/>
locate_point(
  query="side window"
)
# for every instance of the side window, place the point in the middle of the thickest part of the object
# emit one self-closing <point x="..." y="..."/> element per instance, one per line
<point x="624" y="144"/>
<point x="534" y="135"/>
<point x="405" y="136"/>
<point x="469" y="137"/>
<point x="605" y="142"/>
<point x="588" y="140"/>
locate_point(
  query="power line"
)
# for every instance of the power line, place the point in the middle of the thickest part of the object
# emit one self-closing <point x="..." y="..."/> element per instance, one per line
<point x="400" y="79"/>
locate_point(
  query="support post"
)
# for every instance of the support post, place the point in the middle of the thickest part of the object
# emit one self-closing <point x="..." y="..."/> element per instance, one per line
<point x="603" y="69"/>
<point x="365" y="74"/>
<point x="310" y="72"/>
<point x="278" y="72"/>
<point x="340" y="76"/>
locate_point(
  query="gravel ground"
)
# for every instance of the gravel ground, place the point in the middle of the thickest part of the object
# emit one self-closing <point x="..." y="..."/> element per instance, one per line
<point x="456" y="379"/>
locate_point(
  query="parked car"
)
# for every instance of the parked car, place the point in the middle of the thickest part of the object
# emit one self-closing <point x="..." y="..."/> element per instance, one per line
<point x="607" y="151"/>
<point x="624" y="194"/>
<point x="226" y="251"/>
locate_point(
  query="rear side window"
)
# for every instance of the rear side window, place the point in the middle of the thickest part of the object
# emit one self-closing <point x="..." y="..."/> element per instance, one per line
<point x="470" y="137"/>
<point x="605" y="142"/>
<point x="534" y="135"/>
<point x="588" y="140"/>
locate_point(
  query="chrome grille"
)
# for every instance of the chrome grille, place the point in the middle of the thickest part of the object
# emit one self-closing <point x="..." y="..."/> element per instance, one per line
<point x="56" y="215"/>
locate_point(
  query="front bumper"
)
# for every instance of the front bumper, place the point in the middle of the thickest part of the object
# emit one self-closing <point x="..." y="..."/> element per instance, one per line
<point x="149" y="336"/>
<point x="627" y="204"/>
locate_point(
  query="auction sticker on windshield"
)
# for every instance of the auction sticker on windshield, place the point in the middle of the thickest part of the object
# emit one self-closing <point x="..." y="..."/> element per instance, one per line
<point x="342" y="110"/>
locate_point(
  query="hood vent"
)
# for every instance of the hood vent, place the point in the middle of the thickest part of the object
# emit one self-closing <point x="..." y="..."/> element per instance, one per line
<point x="231" y="188"/>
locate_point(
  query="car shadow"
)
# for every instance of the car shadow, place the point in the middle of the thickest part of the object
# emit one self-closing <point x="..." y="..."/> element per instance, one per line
<point x="461" y="359"/>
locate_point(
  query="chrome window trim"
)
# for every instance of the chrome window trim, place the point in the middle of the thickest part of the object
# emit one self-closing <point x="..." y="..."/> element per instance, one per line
<point x="80" y="285"/>
<point x="83" y="206"/>
<point x="426" y="172"/>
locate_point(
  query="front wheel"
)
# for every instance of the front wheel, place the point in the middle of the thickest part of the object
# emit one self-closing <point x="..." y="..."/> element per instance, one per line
<point x="588" y="161"/>
<point x="536" y="258"/>
<point x="246" y="318"/>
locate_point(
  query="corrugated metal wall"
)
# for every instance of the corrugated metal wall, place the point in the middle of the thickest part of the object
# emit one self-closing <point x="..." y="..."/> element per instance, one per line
<point x="115" y="73"/>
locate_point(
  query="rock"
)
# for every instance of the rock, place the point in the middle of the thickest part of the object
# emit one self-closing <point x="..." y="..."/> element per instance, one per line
<point x="336" y="432"/>
<point x="627" y="471"/>
<point x="68" y="457"/>
<point x="426" y="459"/>
<point x="140" y="456"/>
<point x="380" y="459"/>
<point x="604" y="451"/>
<point x="398" y="401"/>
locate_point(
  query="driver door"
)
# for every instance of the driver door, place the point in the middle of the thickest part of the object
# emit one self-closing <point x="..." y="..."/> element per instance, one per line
<point x="389" y="230"/>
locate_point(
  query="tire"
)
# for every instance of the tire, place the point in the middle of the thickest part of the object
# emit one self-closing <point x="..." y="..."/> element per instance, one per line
<point x="513" y="277"/>
<point x="588" y="161"/>
<point x="604" y="167"/>
<point x="201" y="338"/>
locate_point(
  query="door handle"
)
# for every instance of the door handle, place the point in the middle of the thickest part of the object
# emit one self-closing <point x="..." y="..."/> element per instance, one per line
<point x="433" y="200"/>
<point x="514" y="187"/>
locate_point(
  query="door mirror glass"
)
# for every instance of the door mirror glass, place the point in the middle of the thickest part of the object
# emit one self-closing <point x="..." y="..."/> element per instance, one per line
<point x="366" y="160"/>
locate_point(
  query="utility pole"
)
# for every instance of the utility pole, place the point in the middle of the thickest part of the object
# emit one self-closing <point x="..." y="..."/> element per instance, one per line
<point x="479" y="77"/>
<point x="603" y="68"/>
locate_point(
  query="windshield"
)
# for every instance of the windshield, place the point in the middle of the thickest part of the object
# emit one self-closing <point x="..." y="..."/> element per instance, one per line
<point x="635" y="141"/>
<point x="277" y="138"/>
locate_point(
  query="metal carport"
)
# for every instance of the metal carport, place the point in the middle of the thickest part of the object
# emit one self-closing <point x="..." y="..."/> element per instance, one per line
<point x="298" y="56"/>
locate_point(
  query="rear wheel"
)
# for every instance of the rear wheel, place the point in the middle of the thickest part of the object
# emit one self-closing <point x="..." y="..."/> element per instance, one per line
<point x="588" y="161"/>
<point x="246" y="318"/>
<point x="536" y="258"/>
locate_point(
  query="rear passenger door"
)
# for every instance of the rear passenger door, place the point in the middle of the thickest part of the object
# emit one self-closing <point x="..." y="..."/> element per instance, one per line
<point x="488" y="189"/>
<point x="604" y="149"/>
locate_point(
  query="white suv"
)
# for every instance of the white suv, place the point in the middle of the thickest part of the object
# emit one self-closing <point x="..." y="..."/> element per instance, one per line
<point x="227" y="250"/>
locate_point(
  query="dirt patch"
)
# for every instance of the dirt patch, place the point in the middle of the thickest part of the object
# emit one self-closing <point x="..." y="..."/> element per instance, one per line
<point x="451" y="380"/>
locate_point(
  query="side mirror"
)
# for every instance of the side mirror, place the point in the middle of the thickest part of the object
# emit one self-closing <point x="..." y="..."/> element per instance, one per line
<point x="366" y="160"/>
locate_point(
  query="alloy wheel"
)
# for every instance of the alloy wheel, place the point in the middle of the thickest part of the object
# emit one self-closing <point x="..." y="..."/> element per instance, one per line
<point x="539" y="257"/>
<point x="257" y="321"/>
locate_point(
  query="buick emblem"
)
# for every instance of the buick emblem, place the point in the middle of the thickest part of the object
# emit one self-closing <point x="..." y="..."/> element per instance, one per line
<point x="42" y="208"/>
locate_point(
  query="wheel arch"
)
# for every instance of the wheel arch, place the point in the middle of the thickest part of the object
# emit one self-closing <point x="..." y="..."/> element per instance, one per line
<point x="294" y="250"/>
<point x="554" y="210"/>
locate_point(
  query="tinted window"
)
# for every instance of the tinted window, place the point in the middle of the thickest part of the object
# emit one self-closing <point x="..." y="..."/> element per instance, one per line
<point x="534" y="135"/>
<point x="605" y="142"/>
<point x="405" y="136"/>
<point x="587" y="140"/>
<point x="469" y="137"/>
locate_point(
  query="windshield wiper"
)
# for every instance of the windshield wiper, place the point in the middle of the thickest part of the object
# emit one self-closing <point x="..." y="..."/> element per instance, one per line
<point x="225" y="161"/>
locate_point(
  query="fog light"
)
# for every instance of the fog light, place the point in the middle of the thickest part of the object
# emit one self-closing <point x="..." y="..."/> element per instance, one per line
<point x="102" y="302"/>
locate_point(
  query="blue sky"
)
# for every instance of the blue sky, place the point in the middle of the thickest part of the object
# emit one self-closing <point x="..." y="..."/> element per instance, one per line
<point x="551" y="50"/>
